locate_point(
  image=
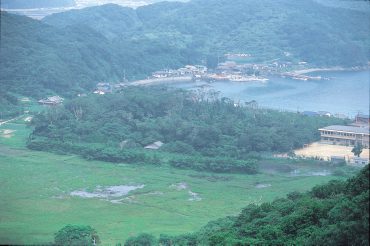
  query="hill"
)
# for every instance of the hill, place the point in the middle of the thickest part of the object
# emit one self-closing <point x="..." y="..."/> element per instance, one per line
<point x="310" y="31"/>
<point x="36" y="58"/>
<point x="199" y="130"/>
<point x="70" y="52"/>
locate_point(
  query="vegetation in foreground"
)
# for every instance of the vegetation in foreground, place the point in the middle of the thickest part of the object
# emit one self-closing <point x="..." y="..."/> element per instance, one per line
<point x="336" y="213"/>
<point x="201" y="130"/>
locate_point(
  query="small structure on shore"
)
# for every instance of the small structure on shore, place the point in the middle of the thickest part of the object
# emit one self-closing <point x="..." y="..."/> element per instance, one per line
<point x="156" y="145"/>
<point x="103" y="88"/>
<point x="54" y="100"/>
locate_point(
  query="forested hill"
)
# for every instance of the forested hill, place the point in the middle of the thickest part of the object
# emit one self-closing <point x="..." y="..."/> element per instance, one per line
<point x="266" y="29"/>
<point x="36" y="57"/>
<point x="72" y="51"/>
<point x="199" y="130"/>
<point x="336" y="213"/>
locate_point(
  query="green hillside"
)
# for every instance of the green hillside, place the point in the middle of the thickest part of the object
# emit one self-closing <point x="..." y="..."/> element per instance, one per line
<point x="70" y="52"/>
<point x="266" y="29"/>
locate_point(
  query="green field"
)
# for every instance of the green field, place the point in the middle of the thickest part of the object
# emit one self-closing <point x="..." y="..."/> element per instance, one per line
<point x="36" y="202"/>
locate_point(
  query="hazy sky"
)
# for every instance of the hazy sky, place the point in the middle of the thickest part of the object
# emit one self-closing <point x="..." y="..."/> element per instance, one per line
<point x="132" y="3"/>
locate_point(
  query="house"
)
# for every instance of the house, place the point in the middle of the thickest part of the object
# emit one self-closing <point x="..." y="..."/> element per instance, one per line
<point x="324" y="113"/>
<point x="345" y="135"/>
<point x="161" y="74"/>
<point x="156" y="145"/>
<point x="103" y="88"/>
<point x="53" y="100"/>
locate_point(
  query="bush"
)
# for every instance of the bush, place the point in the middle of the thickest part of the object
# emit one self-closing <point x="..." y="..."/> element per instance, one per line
<point x="72" y="235"/>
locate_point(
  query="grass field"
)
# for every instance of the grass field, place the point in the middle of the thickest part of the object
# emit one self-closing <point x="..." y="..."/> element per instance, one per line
<point x="36" y="201"/>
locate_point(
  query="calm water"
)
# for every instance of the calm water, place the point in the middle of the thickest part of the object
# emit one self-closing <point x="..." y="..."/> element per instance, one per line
<point x="345" y="93"/>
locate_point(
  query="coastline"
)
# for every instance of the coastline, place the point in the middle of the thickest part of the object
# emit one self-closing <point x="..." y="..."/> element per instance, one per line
<point x="329" y="69"/>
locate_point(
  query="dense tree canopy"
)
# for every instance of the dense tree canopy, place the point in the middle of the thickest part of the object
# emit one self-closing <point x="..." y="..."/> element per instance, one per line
<point x="199" y="126"/>
<point x="72" y="235"/>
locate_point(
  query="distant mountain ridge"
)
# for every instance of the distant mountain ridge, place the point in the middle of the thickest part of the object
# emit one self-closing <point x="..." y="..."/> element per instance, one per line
<point x="29" y="4"/>
<point x="266" y="29"/>
<point x="70" y="52"/>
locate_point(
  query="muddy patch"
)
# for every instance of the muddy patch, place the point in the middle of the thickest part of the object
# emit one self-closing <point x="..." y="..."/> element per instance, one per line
<point x="193" y="197"/>
<point x="261" y="186"/>
<point x="297" y="173"/>
<point x="275" y="168"/>
<point x="107" y="192"/>
<point x="211" y="178"/>
<point x="129" y="199"/>
<point x="179" y="186"/>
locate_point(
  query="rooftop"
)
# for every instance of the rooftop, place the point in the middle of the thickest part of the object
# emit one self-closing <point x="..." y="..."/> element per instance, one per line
<point x="353" y="129"/>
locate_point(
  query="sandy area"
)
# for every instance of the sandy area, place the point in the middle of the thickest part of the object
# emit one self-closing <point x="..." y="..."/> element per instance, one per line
<point x="325" y="151"/>
<point x="310" y="70"/>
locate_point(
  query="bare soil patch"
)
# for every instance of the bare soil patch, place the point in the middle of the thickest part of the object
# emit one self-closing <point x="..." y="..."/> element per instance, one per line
<point x="326" y="151"/>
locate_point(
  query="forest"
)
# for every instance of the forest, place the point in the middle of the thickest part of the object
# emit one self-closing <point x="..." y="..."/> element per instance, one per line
<point x="201" y="130"/>
<point x="336" y="213"/>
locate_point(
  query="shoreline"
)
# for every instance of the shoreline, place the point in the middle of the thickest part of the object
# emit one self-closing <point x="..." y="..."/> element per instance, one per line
<point x="330" y="69"/>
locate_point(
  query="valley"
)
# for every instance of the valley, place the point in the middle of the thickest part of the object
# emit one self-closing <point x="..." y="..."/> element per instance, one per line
<point x="36" y="193"/>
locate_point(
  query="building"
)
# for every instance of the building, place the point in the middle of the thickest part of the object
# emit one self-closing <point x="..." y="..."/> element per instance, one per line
<point x="324" y="113"/>
<point x="54" y="100"/>
<point x="103" y="88"/>
<point x="310" y="113"/>
<point x="362" y="119"/>
<point x="345" y="135"/>
<point x="154" y="146"/>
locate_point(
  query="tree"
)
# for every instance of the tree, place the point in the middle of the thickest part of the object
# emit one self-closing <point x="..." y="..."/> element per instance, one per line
<point x="143" y="239"/>
<point x="73" y="235"/>
<point x="357" y="150"/>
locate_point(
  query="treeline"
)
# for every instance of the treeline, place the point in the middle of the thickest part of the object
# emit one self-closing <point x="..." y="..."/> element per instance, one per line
<point x="9" y="105"/>
<point x="196" y="124"/>
<point x="336" y="213"/>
